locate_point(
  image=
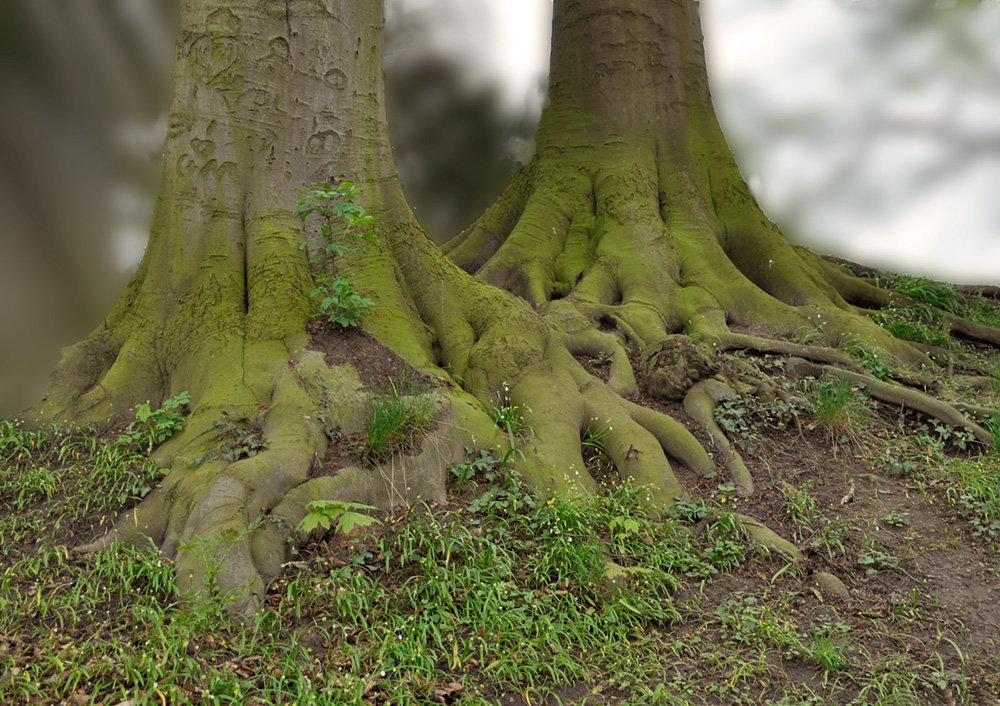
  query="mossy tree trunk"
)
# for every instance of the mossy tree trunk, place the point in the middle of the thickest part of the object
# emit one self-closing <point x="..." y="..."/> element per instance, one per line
<point x="633" y="208"/>
<point x="632" y="224"/>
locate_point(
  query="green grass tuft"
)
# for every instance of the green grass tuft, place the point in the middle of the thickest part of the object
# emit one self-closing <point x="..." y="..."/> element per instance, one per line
<point x="396" y="422"/>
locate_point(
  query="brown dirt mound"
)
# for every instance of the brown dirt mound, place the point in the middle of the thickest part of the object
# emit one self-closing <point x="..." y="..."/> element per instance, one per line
<point x="377" y="365"/>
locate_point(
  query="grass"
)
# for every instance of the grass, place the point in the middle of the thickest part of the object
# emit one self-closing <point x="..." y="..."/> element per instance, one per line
<point x="396" y="422"/>
<point x="54" y="478"/>
<point x="976" y="492"/>
<point x="838" y="408"/>
<point x="972" y="483"/>
<point x="876" y="361"/>
<point x="940" y="295"/>
<point x="913" y="323"/>
<point x="502" y="596"/>
<point x="593" y="443"/>
<point x="826" y="653"/>
<point x="800" y="505"/>
<point x="505" y="593"/>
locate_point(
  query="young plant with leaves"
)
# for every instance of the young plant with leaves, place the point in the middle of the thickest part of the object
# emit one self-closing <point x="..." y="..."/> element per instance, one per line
<point x="341" y="222"/>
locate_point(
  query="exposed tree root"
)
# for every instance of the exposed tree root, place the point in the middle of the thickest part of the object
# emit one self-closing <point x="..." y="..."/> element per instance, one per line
<point x="896" y="395"/>
<point x="700" y="403"/>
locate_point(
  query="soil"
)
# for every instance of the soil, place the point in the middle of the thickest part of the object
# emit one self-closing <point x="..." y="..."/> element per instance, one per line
<point x="378" y="367"/>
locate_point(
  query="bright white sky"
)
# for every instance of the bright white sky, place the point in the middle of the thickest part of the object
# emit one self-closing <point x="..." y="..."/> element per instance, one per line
<point x="800" y="86"/>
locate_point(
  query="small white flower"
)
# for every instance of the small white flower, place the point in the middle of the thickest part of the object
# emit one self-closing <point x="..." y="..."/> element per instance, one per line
<point x="770" y="263"/>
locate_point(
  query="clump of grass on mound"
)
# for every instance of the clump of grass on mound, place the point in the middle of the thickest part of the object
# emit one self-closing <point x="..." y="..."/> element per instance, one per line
<point x="396" y="422"/>
<point x="839" y="409"/>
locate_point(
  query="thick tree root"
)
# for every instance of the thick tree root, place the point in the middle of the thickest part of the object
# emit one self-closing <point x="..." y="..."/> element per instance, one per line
<point x="831" y="585"/>
<point x="227" y="523"/>
<point x="897" y="395"/>
<point x="700" y="403"/>
<point x="769" y="539"/>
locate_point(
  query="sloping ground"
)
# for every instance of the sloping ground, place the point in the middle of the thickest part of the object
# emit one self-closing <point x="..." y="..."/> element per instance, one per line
<point x="500" y="596"/>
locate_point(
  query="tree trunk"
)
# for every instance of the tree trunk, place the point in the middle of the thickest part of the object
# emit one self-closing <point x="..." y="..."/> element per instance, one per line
<point x="269" y="98"/>
<point x="631" y="224"/>
<point x="633" y="209"/>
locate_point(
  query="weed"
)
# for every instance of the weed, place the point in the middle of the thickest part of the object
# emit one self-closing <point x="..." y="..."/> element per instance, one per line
<point x="913" y="323"/>
<point x="483" y="465"/>
<point x="840" y="410"/>
<point x="595" y="451"/>
<point x="940" y="295"/>
<point x="993" y="427"/>
<point x="873" y="359"/>
<point x="753" y="622"/>
<point x="341" y="221"/>
<point x="800" y="505"/>
<point x="976" y="492"/>
<point x="897" y="519"/>
<point x="339" y="301"/>
<point x="825" y="653"/>
<point x="688" y="511"/>
<point x="874" y="559"/>
<point x="600" y="362"/>
<point x="396" y="422"/>
<point x="745" y="417"/>
<point x="910" y="608"/>
<point x="807" y="335"/>
<point x="509" y="416"/>
<point x="152" y="427"/>
<point x="347" y="516"/>
<point x="981" y="310"/>
<point x="830" y="537"/>
<point x="238" y="439"/>
<point x="72" y="470"/>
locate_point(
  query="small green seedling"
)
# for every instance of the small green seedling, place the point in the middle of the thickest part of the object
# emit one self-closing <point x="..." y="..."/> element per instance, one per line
<point x="341" y="221"/>
<point x="154" y="426"/>
<point x="339" y="301"/>
<point x="346" y="516"/>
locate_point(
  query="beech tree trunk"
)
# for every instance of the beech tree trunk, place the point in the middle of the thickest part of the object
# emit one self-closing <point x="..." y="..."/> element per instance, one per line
<point x="631" y="228"/>
<point x="633" y="207"/>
